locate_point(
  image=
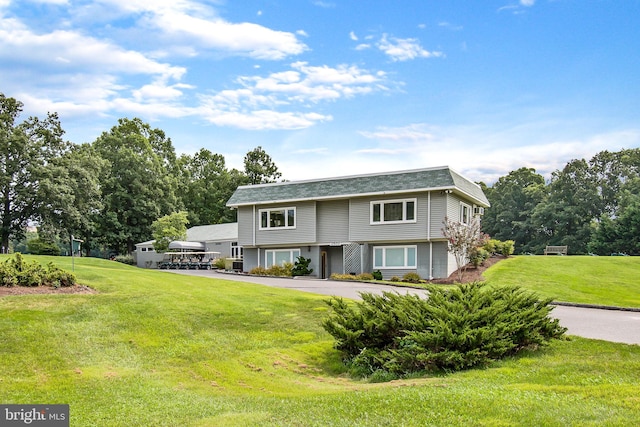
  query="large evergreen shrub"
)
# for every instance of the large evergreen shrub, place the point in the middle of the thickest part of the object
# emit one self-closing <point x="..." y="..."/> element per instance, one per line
<point x="457" y="328"/>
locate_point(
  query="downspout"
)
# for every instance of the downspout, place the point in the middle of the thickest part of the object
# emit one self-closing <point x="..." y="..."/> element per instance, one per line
<point x="429" y="235"/>
<point x="253" y="237"/>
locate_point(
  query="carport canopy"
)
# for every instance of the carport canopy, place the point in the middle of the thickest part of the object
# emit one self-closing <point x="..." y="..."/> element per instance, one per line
<point x="179" y="245"/>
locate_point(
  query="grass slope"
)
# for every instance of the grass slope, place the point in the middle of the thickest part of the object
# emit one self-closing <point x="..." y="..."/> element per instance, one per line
<point x="157" y="349"/>
<point x="612" y="281"/>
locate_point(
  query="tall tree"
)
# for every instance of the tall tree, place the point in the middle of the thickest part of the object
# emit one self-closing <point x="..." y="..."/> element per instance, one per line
<point x="513" y="198"/>
<point x="27" y="152"/>
<point x="610" y="171"/>
<point x="206" y="185"/>
<point x="622" y="232"/>
<point x="564" y="217"/>
<point x="259" y="167"/>
<point x="138" y="185"/>
<point x="72" y="194"/>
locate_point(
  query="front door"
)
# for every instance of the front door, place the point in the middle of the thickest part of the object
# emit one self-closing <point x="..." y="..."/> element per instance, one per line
<point x="323" y="264"/>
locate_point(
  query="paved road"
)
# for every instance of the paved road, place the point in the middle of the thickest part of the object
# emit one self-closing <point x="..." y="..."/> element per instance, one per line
<point x="608" y="325"/>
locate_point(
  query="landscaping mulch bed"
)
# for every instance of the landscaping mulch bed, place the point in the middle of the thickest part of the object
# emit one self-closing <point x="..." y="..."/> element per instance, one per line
<point x="25" y="290"/>
<point x="471" y="274"/>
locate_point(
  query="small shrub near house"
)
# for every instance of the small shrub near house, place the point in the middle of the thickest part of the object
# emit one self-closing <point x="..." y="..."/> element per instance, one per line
<point x="301" y="267"/>
<point x="377" y="275"/>
<point x="275" y="270"/>
<point x="356" y="277"/>
<point x="411" y="277"/>
<point x="478" y="256"/>
<point x="16" y="271"/>
<point x="392" y="335"/>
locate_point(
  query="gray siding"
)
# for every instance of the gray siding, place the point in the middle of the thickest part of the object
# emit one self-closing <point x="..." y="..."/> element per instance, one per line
<point x="245" y="229"/>
<point x="250" y="259"/>
<point x="303" y="233"/>
<point x="438" y="213"/>
<point x="363" y="231"/>
<point x="333" y="221"/>
<point x="453" y="207"/>
<point x="441" y="260"/>
<point x="223" y="247"/>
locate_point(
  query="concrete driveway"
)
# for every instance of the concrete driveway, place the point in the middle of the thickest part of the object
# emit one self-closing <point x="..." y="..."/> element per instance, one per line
<point x="609" y="325"/>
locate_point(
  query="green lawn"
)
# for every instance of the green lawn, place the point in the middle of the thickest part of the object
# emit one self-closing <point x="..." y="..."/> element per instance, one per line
<point x="158" y="349"/>
<point x="613" y="281"/>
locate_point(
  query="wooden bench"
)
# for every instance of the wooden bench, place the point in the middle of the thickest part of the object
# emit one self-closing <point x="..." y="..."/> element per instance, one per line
<point x="556" y="250"/>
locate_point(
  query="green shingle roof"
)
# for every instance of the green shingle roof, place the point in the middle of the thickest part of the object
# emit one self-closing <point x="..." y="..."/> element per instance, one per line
<point x="361" y="185"/>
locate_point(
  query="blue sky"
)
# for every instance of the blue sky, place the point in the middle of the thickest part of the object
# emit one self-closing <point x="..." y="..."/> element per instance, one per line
<point x="331" y="87"/>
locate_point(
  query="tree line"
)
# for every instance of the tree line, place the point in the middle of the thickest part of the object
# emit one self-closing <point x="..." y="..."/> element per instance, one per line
<point x="110" y="191"/>
<point x="590" y="206"/>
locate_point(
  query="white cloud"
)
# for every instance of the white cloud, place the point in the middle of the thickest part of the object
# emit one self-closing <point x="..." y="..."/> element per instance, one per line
<point x="527" y="3"/>
<point x="256" y="103"/>
<point x="71" y="50"/>
<point x="243" y="38"/>
<point x="353" y="36"/>
<point x="404" y="49"/>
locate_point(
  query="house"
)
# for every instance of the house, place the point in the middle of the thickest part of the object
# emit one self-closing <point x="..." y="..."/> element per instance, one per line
<point x="220" y="238"/>
<point x="390" y="222"/>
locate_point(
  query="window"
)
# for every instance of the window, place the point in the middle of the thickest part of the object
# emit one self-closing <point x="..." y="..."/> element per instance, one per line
<point x="393" y="211"/>
<point x="278" y="218"/>
<point x="465" y="213"/>
<point x="236" y="251"/>
<point x="280" y="256"/>
<point x="395" y="257"/>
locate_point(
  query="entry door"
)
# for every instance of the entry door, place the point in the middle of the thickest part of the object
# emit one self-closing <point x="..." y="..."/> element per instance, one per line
<point x="323" y="263"/>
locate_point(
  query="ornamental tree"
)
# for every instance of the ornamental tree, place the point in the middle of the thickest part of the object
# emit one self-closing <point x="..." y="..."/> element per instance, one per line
<point x="462" y="240"/>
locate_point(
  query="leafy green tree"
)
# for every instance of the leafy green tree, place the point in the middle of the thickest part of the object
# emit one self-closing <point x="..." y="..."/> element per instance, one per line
<point x="169" y="228"/>
<point x="620" y="234"/>
<point x="610" y="172"/>
<point x="138" y="184"/>
<point x="206" y="185"/>
<point x="564" y="217"/>
<point x="27" y="152"/>
<point x="259" y="167"/>
<point x="513" y="198"/>
<point x="72" y="194"/>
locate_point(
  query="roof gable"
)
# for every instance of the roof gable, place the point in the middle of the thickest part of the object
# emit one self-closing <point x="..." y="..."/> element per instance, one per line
<point x="361" y="185"/>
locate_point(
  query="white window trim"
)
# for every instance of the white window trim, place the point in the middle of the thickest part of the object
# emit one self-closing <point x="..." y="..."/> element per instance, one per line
<point x="384" y="257"/>
<point x="404" y="211"/>
<point x="292" y="258"/>
<point x="469" y="213"/>
<point x="286" y="225"/>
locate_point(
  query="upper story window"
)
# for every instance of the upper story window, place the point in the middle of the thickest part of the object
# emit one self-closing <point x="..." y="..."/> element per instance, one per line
<point x="465" y="213"/>
<point x="393" y="211"/>
<point x="277" y="218"/>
